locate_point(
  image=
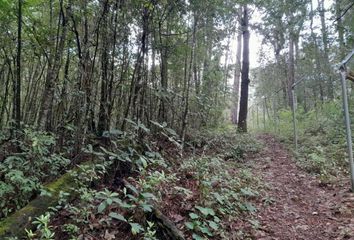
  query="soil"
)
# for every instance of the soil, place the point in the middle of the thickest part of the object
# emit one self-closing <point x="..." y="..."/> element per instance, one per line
<point x="296" y="205"/>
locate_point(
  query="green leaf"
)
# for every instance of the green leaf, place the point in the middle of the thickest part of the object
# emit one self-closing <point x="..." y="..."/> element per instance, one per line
<point x="118" y="201"/>
<point x="249" y="207"/>
<point x="189" y="225"/>
<point x="125" y="205"/>
<point x="101" y="207"/>
<point x="171" y="131"/>
<point x="148" y="195"/>
<point x="206" y="211"/>
<point x="157" y="124"/>
<point x="197" y="237"/>
<point x="216" y="219"/>
<point x="213" y="225"/>
<point x="131" y="187"/>
<point x="117" y="216"/>
<point x="248" y="192"/>
<point x="205" y="230"/>
<point x="193" y="216"/>
<point x="109" y="201"/>
<point x="147" y="207"/>
<point x="143" y="161"/>
<point x="219" y="198"/>
<point x="136" y="228"/>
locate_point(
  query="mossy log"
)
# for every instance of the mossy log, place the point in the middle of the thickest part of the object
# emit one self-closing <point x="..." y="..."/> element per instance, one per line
<point x="15" y="224"/>
<point x="166" y="229"/>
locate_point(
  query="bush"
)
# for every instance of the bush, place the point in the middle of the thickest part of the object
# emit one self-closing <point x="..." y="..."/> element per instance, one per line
<point x="22" y="172"/>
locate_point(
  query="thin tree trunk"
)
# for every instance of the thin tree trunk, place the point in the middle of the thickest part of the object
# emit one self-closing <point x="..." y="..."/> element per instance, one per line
<point x="136" y="82"/>
<point x="17" y="93"/>
<point x="164" y="75"/>
<point x="327" y="69"/>
<point x="103" y="110"/>
<point x="45" y="114"/>
<point x="237" y="75"/>
<point x="291" y="69"/>
<point x="187" y="84"/>
<point x="242" y="121"/>
<point x="317" y="58"/>
<point x="340" y="29"/>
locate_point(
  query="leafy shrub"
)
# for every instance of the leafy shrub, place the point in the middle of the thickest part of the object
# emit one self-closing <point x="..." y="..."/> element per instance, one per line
<point x="321" y="138"/>
<point x="22" y="173"/>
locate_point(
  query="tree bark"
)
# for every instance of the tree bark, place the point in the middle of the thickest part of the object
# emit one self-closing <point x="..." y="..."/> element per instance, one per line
<point x="187" y="81"/>
<point x="17" y="88"/>
<point x="242" y="121"/>
<point x="164" y="76"/>
<point x="291" y="70"/>
<point x="340" y="29"/>
<point x="103" y="120"/>
<point x="329" y="81"/>
<point x="54" y="64"/>
<point x="237" y="74"/>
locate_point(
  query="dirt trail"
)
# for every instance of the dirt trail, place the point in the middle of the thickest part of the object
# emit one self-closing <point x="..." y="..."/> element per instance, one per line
<point x="297" y="207"/>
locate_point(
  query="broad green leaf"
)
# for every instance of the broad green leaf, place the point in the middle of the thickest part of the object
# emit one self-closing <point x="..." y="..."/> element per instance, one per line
<point x="101" y="207"/>
<point x="136" y="228"/>
<point x="189" y="225"/>
<point x="213" y="225"/>
<point x="249" y="207"/>
<point x="205" y="230"/>
<point x="206" y="211"/>
<point x="117" y="216"/>
<point x="193" y="216"/>
<point x="147" y="207"/>
<point x="148" y="195"/>
<point x="197" y="237"/>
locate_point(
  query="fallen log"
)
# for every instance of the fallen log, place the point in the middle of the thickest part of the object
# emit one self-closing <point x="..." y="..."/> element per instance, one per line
<point x="15" y="224"/>
<point x="166" y="229"/>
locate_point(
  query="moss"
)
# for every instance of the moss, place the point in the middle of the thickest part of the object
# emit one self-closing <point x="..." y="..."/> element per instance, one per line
<point x="15" y="224"/>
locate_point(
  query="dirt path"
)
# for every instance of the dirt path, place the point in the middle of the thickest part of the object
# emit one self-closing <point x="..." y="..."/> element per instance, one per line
<point x="297" y="207"/>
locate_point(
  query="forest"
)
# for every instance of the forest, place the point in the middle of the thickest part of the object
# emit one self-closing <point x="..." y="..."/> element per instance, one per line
<point x="176" y="119"/>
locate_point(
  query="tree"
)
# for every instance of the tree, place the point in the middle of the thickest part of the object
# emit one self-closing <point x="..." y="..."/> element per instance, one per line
<point x="237" y="73"/>
<point x="242" y="121"/>
<point x="17" y="85"/>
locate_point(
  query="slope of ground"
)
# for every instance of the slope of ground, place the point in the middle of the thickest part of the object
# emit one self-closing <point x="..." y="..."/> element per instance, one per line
<point x="229" y="187"/>
<point x="296" y="206"/>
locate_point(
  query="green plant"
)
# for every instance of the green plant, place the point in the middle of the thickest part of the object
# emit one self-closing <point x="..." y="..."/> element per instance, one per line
<point x="44" y="231"/>
<point x="23" y="172"/>
<point x="150" y="233"/>
<point x="203" y="224"/>
<point x="71" y="229"/>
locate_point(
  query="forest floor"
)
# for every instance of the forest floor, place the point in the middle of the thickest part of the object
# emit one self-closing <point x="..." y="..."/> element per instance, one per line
<point x="229" y="187"/>
<point x="297" y="205"/>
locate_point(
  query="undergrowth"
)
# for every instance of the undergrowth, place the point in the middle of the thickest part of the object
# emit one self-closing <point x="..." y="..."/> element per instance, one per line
<point x="26" y="163"/>
<point x="204" y="193"/>
<point x="321" y="139"/>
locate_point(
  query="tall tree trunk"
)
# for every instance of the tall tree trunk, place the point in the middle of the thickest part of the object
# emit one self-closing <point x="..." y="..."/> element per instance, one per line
<point x="17" y="88"/>
<point x="329" y="81"/>
<point x="54" y="64"/>
<point x="187" y="81"/>
<point x="340" y="29"/>
<point x="317" y="57"/>
<point x="291" y="69"/>
<point x="5" y="99"/>
<point x="237" y="74"/>
<point x="164" y="76"/>
<point x="226" y="69"/>
<point x="242" y="121"/>
<point x="103" y="110"/>
<point x="136" y="82"/>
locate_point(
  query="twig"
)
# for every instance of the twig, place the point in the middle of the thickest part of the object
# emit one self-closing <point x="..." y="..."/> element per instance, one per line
<point x="345" y="11"/>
